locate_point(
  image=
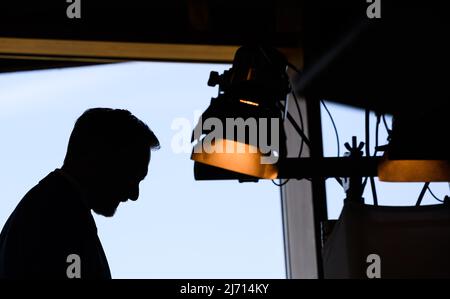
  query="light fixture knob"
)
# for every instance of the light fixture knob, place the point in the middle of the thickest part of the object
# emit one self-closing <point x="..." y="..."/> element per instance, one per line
<point x="214" y="79"/>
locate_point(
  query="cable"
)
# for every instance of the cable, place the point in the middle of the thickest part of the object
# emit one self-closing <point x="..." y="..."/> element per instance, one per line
<point x="282" y="184"/>
<point x="372" y="181"/>
<point x="374" y="191"/>
<point x="301" y="121"/>
<point x="297" y="127"/>
<point x="363" y="186"/>
<point x="302" y="124"/>
<point x="386" y="125"/>
<point x="422" y="194"/>
<point x="432" y="194"/>
<point x="299" y="130"/>
<point x="377" y="129"/>
<point x="298" y="106"/>
<point x="334" y="126"/>
<point x="367" y="132"/>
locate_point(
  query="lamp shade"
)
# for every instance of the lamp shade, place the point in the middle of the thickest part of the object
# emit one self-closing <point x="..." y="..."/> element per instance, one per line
<point x="414" y="170"/>
<point x="246" y="162"/>
<point x="418" y="150"/>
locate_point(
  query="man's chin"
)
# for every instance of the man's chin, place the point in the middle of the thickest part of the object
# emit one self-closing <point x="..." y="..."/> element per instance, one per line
<point x="107" y="212"/>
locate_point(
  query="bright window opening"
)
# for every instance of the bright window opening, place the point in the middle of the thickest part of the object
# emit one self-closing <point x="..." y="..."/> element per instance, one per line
<point x="179" y="228"/>
<point x="351" y="122"/>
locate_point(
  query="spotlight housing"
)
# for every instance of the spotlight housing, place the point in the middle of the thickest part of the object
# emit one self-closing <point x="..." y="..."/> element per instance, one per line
<point x="418" y="150"/>
<point x="242" y="130"/>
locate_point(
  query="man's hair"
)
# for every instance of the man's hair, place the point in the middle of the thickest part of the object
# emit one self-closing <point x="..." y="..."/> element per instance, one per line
<point x="104" y="130"/>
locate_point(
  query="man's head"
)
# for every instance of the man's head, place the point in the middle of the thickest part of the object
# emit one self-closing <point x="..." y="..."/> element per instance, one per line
<point x="109" y="154"/>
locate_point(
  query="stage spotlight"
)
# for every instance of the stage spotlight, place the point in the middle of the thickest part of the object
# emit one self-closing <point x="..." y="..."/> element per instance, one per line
<point x="242" y="130"/>
<point x="418" y="150"/>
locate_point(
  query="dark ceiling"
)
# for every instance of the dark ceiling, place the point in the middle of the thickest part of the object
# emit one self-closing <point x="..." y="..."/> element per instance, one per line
<point x="398" y="62"/>
<point x="395" y="62"/>
<point x="218" y="22"/>
<point x="169" y="21"/>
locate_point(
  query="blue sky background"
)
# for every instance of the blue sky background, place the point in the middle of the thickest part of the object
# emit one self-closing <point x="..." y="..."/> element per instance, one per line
<point x="351" y="122"/>
<point x="179" y="228"/>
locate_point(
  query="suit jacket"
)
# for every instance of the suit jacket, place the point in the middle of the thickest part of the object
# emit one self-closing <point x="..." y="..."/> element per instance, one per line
<point x="49" y="226"/>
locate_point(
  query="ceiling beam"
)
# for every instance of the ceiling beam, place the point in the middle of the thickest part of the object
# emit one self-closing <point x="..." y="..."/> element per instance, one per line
<point x="115" y="51"/>
<point x="101" y="51"/>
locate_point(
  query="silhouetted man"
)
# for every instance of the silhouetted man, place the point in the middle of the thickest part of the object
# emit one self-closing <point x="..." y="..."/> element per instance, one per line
<point x="51" y="233"/>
